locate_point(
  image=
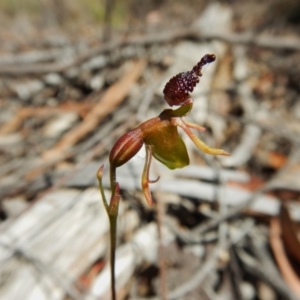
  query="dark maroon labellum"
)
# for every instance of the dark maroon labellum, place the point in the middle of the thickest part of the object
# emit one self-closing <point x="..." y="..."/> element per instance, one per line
<point x="176" y="91"/>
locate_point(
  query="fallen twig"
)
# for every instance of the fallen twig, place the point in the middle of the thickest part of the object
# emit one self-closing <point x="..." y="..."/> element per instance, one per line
<point x="113" y="97"/>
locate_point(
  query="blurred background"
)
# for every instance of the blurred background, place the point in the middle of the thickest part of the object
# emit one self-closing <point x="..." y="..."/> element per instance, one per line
<point x="83" y="18"/>
<point x="75" y="76"/>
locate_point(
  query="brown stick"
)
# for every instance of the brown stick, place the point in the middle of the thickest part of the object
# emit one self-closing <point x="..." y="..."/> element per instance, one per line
<point x="111" y="99"/>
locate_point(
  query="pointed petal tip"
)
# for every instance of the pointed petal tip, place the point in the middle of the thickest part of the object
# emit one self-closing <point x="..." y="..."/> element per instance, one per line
<point x="149" y="199"/>
<point x="100" y="172"/>
<point x="224" y="153"/>
<point x="155" y="180"/>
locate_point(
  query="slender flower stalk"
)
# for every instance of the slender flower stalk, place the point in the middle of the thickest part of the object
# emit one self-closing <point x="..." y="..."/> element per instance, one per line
<point x="163" y="142"/>
<point x="112" y="211"/>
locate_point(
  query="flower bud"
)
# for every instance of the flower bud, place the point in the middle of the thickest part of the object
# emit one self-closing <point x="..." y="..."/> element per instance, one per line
<point x="126" y="147"/>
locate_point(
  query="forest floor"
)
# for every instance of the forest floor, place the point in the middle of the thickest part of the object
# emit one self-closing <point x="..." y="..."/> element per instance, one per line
<point x="220" y="228"/>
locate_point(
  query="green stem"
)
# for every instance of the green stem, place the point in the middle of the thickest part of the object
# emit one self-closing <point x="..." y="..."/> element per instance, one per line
<point x="99" y="177"/>
<point x="113" y="231"/>
<point x="112" y="211"/>
<point x="113" y="179"/>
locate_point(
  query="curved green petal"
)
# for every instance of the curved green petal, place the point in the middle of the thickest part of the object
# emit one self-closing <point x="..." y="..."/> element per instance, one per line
<point x="183" y="110"/>
<point x="179" y="112"/>
<point x="168" y="147"/>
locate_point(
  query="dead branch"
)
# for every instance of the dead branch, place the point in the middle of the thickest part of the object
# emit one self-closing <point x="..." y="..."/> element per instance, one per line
<point x="112" y="98"/>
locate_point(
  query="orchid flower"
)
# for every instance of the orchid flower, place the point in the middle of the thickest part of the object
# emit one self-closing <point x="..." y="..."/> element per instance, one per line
<point x="162" y="140"/>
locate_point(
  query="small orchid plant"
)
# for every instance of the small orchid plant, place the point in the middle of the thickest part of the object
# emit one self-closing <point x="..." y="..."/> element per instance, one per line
<point x="163" y="142"/>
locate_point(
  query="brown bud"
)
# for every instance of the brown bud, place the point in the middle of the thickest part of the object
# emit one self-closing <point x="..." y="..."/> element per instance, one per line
<point x="126" y="147"/>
